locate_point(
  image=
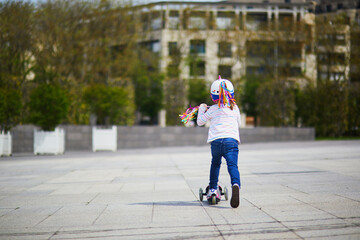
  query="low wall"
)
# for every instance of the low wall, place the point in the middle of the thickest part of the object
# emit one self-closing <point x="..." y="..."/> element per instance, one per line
<point x="79" y="138"/>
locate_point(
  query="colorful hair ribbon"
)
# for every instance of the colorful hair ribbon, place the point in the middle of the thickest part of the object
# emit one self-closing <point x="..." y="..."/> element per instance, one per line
<point x="190" y="114"/>
<point x="225" y="97"/>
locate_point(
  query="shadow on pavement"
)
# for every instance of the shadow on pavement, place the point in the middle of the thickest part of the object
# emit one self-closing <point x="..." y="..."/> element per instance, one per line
<point x="178" y="203"/>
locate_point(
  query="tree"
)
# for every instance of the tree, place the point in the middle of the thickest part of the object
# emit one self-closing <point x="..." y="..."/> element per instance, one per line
<point x="325" y="107"/>
<point x="175" y="89"/>
<point x="354" y="110"/>
<point x="198" y="92"/>
<point x="16" y="44"/>
<point x="61" y="36"/>
<point x="175" y="95"/>
<point x="276" y="104"/>
<point x="148" y="84"/>
<point x="110" y="104"/>
<point x="48" y="106"/>
<point x="249" y="100"/>
<point x="10" y="108"/>
<point x="85" y="43"/>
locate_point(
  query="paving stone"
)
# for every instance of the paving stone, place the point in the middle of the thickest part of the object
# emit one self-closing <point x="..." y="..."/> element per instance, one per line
<point x="297" y="190"/>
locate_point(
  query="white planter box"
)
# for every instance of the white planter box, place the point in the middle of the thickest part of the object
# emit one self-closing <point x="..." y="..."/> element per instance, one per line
<point x="5" y="144"/>
<point x="104" y="139"/>
<point x="52" y="142"/>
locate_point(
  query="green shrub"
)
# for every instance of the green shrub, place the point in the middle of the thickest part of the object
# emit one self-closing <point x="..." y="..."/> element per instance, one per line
<point x="149" y="93"/>
<point x="354" y="110"/>
<point x="48" y="106"/>
<point x="10" y="108"/>
<point x="249" y="100"/>
<point x="325" y="107"/>
<point x="110" y="104"/>
<point x="276" y="103"/>
<point x="175" y="100"/>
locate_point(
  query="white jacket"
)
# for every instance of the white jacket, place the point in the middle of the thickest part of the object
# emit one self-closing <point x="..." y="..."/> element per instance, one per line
<point x="224" y="122"/>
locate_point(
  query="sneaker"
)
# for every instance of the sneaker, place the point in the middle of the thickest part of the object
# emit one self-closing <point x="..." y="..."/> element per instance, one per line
<point x="235" y="197"/>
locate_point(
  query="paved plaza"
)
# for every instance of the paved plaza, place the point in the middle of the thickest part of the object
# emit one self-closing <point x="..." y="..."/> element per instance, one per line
<point x="293" y="190"/>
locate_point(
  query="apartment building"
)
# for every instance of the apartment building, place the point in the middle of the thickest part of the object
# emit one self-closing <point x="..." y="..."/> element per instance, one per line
<point x="231" y="38"/>
<point x="339" y="47"/>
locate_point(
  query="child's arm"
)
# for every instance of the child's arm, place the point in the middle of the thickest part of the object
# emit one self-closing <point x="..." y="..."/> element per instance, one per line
<point x="203" y="115"/>
<point x="239" y="117"/>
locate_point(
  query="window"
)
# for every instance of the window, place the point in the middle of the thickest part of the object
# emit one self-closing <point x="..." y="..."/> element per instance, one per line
<point x="340" y="39"/>
<point x="332" y="39"/>
<point x="197" y="20"/>
<point x="174" y="20"/>
<point x="285" y="22"/>
<point x="340" y="6"/>
<point x="337" y="58"/>
<point x="197" y="68"/>
<point x="287" y="1"/>
<point x="308" y="48"/>
<point x="258" y="71"/>
<point x="318" y="9"/>
<point x="153" y="46"/>
<point x="224" y="49"/>
<point x="259" y="49"/>
<point x="173" y="50"/>
<point x="295" y="71"/>
<point x="328" y="8"/>
<point x="289" y="71"/>
<point x="156" y="20"/>
<point x="256" y="21"/>
<point x="225" y="71"/>
<point x="145" y="21"/>
<point x="337" y="76"/>
<point x="331" y="58"/>
<point x="225" y="21"/>
<point x="322" y="58"/>
<point x="197" y="46"/>
<point x="260" y="57"/>
<point x="289" y="51"/>
<point x="334" y="76"/>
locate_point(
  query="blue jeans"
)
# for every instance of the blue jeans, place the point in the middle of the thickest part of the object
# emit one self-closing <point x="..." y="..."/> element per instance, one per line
<point x="229" y="149"/>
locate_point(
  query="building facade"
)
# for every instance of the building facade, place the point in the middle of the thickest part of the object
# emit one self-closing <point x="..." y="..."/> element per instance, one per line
<point x="231" y="38"/>
<point x="343" y="40"/>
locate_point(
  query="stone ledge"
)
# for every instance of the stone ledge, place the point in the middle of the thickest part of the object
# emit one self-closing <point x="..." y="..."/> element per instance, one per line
<point x="80" y="137"/>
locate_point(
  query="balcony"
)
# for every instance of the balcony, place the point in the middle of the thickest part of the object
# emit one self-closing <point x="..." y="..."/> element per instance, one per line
<point x="256" y="22"/>
<point x="225" y="21"/>
<point x="197" y="20"/>
<point x="174" y="20"/>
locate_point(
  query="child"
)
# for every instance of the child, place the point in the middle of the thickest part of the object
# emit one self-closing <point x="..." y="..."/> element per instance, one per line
<point x="223" y="135"/>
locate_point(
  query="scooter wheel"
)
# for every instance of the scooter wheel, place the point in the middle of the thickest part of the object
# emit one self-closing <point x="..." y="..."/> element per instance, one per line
<point x="213" y="199"/>
<point x="226" y="193"/>
<point x="201" y="194"/>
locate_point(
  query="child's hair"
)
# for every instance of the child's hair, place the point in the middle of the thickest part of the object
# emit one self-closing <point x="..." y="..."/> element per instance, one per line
<point x="232" y="103"/>
<point x="222" y="93"/>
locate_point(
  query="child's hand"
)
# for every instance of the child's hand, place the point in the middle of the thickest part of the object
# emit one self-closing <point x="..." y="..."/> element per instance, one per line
<point x="203" y="105"/>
